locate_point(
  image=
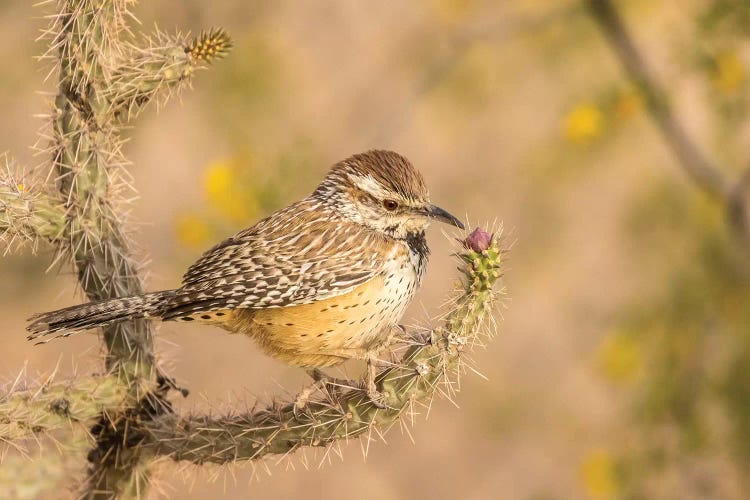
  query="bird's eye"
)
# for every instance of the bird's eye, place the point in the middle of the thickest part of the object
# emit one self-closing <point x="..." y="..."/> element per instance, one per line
<point x="390" y="205"/>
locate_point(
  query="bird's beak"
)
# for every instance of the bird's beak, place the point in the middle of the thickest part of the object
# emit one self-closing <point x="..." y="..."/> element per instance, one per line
<point x="438" y="213"/>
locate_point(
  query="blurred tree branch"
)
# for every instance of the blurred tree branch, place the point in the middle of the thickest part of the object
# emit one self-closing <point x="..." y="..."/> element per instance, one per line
<point x="690" y="348"/>
<point x="706" y="174"/>
<point x="738" y="212"/>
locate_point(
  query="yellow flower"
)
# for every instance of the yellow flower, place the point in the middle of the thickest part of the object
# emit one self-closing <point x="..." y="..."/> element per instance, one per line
<point x="21" y="188"/>
<point x="598" y="475"/>
<point x="224" y="191"/>
<point x="219" y="182"/>
<point x="192" y="230"/>
<point x="620" y="357"/>
<point x="729" y="73"/>
<point x="584" y="124"/>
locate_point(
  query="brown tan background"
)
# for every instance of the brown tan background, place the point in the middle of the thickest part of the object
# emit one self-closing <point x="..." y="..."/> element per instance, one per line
<point x="514" y="111"/>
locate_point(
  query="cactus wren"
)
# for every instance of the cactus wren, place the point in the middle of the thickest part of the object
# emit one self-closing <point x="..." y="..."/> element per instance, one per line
<point x="319" y="282"/>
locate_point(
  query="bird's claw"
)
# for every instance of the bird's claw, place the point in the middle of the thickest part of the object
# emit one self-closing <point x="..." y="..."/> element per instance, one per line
<point x="376" y="398"/>
<point x="300" y="402"/>
<point x="322" y="382"/>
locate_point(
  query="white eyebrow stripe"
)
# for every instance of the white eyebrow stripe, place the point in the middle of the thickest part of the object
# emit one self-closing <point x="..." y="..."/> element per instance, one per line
<point x="368" y="184"/>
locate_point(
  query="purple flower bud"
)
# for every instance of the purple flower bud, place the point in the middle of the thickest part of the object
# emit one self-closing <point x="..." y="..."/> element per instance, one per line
<point x="479" y="240"/>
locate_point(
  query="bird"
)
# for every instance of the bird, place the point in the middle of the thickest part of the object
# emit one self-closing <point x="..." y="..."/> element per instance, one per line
<point x="324" y="280"/>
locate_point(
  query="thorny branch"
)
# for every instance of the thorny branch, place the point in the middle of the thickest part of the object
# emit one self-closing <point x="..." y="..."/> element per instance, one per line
<point x="104" y="77"/>
<point x="86" y="162"/>
<point x="27" y="216"/>
<point x="54" y="405"/>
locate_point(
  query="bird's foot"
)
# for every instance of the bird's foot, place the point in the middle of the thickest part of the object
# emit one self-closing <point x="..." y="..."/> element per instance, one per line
<point x="321" y="382"/>
<point x="400" y="332"/>
<point x="397" y="335"/>
<point x="300" y="402"/>
<point x="165" y="382"/>
<point x="337" y="383"/>
<point x="376" y="397"/>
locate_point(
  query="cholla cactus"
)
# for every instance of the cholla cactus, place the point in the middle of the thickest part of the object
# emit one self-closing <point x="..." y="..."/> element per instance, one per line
<point x="105" y="78"/>
<point x="429" y="362"/>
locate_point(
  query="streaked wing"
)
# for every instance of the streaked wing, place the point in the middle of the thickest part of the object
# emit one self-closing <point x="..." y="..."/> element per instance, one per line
<point x="292" y="257"/>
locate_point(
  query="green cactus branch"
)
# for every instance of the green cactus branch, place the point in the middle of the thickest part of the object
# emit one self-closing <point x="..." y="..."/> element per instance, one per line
<point x="85" y="155"/>
<point x="81" y="35"/>
<point x="26" y="216"/>
<point x="103" y="79"/>
<point x="159" y="68"/>
<point x="87" y="150"/>
<point x="431" y="364"/>
<point x="19" y="481"/>
<point x="54" y="405"/>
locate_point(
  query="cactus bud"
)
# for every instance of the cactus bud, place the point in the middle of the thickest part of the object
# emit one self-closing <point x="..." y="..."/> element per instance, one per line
<point x="209" y="45"/>
<point x="479" y="240"/>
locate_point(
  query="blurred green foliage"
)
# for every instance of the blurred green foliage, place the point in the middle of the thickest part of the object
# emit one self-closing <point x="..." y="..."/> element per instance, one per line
<point x="693" y="337"/>
<point x="729" y="16"/>
<point x="249" y="84"/>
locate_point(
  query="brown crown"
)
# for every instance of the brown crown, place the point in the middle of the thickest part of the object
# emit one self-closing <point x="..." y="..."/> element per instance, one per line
<point x="391" y="169"/>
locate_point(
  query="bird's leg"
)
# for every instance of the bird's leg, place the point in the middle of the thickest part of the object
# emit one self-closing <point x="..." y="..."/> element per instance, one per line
<point x="321" y="381"/>
<point x="372" y="360"/>
<point x="319" y="376"/>
<point x="396" y="333"/>
<point x="376" y="397"/>
<point x="304" y="395"/>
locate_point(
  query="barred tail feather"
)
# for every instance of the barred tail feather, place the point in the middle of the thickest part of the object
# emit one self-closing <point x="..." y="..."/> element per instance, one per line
<point x="70" y="320"/>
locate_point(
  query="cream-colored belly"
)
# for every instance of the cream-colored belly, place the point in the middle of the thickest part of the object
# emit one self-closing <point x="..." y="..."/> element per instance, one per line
<point x="328" y="332"/>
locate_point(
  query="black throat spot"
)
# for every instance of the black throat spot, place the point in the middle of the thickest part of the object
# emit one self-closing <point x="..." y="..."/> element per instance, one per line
<point x="418" y="244"/>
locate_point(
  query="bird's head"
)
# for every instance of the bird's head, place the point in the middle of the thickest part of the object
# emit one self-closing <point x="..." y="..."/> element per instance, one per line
<point x="383" y="191"/>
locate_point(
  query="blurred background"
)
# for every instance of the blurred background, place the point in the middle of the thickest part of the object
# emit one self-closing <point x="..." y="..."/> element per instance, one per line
<point x="620" y="370"/>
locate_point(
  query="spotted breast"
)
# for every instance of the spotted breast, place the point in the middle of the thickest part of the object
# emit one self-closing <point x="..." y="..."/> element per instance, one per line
<point x="327" y="332"/>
